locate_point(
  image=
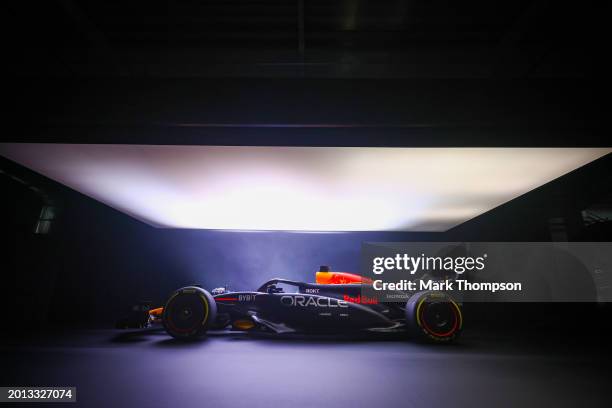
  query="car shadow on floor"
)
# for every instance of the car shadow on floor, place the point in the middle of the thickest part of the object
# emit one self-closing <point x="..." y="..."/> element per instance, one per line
<point x="157" y="337"/>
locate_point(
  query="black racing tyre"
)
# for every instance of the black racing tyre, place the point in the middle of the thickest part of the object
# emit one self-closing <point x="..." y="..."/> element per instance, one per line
<point x="434" y="317"/>
<point x="189" y="312"/>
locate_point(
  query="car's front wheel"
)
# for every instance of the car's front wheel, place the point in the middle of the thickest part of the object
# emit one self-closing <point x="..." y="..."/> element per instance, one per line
<point x="189" y="312"/>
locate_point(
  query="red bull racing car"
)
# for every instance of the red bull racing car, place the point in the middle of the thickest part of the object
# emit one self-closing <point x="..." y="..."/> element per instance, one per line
<point x="334" y="304"/>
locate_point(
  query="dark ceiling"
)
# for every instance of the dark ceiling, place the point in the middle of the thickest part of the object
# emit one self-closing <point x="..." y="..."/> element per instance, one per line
<point x="306" y="72"/>
<point x="311" y="38"/>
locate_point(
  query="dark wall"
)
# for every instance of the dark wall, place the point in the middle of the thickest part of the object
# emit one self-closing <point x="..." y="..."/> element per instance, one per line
<point x="528" y="217"/>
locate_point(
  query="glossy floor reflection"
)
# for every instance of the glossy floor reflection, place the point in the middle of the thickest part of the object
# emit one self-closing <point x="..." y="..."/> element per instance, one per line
<point x="122" y="369"/>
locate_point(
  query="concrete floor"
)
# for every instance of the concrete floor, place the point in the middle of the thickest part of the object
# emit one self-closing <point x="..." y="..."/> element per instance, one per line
<point x="122" y="369"/>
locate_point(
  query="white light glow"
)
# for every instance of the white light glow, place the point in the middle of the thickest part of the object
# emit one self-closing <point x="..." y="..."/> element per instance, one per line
<point x="300" y="188"/>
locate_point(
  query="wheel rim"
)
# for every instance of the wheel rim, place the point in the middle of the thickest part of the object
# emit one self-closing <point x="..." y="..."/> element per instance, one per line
<point x="439" y="318"/>
<point x="186" y="313"/>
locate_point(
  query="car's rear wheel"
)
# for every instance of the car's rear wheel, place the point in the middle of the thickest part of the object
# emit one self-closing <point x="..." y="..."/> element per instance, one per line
<point x="189" y="312"/>
<point x="433" y="317"/>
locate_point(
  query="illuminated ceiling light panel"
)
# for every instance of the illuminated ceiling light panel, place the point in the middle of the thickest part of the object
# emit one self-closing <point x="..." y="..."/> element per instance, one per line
<point x="300" y="188"/>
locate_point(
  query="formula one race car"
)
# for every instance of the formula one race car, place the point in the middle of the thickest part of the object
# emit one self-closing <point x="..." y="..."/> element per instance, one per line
<point x="333" y="304"/>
